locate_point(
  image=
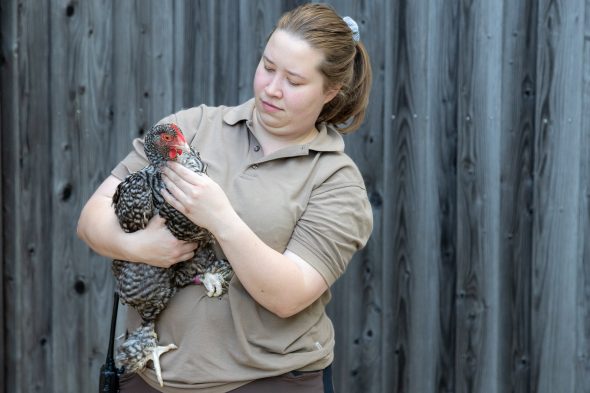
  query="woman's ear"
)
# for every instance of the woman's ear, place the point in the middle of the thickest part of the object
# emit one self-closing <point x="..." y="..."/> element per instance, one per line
<point x="331" y="93"/>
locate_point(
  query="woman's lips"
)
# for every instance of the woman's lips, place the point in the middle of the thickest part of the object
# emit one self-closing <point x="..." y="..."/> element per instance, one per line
<point x="270" y="107"/>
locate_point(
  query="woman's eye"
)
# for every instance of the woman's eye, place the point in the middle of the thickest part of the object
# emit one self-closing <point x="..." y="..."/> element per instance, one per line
<point x="293" y="83"/>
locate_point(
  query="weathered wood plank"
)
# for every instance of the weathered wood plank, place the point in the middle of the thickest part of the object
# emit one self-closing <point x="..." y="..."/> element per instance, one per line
<point x="384" y="76"/>
<point x="478" y="197"/>
<point x="26" y="152"/>
<point x="224" y="79"/>
<point x="144" y="67"/>
<point x="207" y="44"/>
<point x="583" y="292"/>
<point x="557" y="195"/>
<point x="404" y="163"/>
<point x="518" y="112"/>
<point x="8" y="126"/>
<point x="126" y="109"/>
<point x="158" y="81"/>
<point x="416" y="228"/>
<point x="143" y="71"/>
<point x="81" y="104"/>
<point x="442" y="97"/>
<point x="194" y="54"/>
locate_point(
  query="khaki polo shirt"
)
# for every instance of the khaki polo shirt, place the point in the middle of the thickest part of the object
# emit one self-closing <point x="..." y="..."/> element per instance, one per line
<point x="310" y="199"/>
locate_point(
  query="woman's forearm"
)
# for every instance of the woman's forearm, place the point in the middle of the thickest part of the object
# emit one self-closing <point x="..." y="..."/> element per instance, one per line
<point x="99" y="227"/>
<point x="282" y="283"/>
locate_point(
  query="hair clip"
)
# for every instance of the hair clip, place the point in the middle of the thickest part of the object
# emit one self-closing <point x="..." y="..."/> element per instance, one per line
<point x="356" y="36"/>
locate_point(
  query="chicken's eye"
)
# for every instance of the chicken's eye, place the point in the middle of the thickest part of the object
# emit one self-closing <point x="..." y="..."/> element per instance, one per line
<point x="166" y="137"/>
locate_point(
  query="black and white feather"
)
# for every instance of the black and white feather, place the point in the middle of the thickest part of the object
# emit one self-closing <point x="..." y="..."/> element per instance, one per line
<point x="148" y="288"/>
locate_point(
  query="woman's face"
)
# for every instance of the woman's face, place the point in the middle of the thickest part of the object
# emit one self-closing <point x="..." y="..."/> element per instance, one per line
<point x="289" y="88"/>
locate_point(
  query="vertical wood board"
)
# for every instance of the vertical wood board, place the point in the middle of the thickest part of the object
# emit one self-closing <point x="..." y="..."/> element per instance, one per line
<point x="478" y="198"/>
<point x="556" y="195"/>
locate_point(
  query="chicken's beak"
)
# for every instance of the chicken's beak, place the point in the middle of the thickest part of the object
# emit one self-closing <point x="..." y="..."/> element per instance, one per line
<point x="182" y="147"/>
<point x="179" y="149"/>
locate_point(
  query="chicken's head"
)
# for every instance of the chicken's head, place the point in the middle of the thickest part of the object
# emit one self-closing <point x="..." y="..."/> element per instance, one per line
<point x="165" y="142"/>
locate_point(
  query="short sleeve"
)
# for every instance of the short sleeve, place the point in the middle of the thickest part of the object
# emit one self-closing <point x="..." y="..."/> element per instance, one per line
<point x="336" y="223"/>
<point x="134" y="161"/>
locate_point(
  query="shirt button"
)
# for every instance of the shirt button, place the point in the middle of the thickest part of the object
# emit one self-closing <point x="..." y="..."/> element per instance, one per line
<point x="255" y="166"/>
<point x="256" y="148"/>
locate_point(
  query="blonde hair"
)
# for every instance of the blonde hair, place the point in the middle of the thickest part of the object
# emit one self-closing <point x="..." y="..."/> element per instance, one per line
<point x="346" y="62"/>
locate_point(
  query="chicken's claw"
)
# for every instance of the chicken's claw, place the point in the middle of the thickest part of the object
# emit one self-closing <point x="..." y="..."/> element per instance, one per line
<point x="213" y="282"/>
<point x="157" y="352"/>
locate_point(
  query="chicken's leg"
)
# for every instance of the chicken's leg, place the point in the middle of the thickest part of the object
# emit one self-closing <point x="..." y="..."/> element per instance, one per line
<point x="216" y="277"/>
<point x="156" y="353"/>
<point x="139" y="348"/>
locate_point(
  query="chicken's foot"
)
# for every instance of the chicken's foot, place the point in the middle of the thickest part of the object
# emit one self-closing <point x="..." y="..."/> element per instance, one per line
<point x="156" y="353"/>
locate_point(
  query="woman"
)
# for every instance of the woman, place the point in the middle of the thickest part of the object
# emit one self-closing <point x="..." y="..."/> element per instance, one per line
<point x="286" y="205"/>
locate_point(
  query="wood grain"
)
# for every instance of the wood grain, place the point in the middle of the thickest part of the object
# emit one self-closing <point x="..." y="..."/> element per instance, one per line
<point x="8" y="123"/>
<point x="583" y="274"/>
<point x="475" y="152"/>
<point x="27" y="190"/>
<point x="518" y="125"/>
<point x="81" y="123"/>
<point x="416" y="221"/>
<point x="478" y="198"/>
<point x="556" y="196"/>
<point x="442" y="97"/>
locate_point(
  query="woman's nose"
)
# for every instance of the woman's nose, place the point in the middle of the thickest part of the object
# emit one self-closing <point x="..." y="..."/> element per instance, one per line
<point x="273" y="88"/>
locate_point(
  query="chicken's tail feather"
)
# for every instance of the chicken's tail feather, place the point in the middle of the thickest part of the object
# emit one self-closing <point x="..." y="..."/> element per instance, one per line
<point x="137" y="348"/>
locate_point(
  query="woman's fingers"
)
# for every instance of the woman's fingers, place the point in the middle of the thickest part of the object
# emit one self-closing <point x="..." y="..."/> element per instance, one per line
<point x="157" y="221"/>
<point x="182" y="175"/>
<point x="183" y="187"/>
<point x="195" y="195"/>
<point x="175" y="184"/>
<point x="172" y="194"/>
<point x="183" y="252"/>
<point x="159" y="247"/>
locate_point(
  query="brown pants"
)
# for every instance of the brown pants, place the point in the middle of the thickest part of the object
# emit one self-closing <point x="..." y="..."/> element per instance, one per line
<point x="312" y="382"/>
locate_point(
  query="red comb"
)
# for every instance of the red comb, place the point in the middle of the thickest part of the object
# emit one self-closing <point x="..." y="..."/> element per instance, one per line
<point x="178" y="132"/>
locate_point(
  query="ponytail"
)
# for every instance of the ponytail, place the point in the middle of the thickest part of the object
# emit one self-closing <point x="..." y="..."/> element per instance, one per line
<point x="346" y="111"/>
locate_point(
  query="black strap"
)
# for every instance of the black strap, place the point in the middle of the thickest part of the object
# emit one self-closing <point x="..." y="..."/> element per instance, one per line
<point x="109" y="375"/>
<point x="113" y="326"/>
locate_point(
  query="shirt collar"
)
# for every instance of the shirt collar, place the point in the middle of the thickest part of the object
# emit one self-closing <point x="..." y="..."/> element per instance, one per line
<point x="239" y="113"/>
<point x="327" y="140"/>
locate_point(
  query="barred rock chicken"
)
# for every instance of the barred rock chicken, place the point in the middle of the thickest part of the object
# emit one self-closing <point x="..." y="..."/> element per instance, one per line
<point x="148" y="288"/>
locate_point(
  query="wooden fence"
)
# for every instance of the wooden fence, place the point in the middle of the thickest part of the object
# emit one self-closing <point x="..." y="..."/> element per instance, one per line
<point x="476" y="154"/>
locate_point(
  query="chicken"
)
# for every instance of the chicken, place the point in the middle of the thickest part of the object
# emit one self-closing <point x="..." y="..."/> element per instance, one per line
<point x="148" y="288"/>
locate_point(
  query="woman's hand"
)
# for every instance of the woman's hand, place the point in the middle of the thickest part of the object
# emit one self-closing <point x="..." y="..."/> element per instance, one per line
<point x="196" y="196"/>
<point x="157" y="246"/>
<point x="99" y="228"/>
